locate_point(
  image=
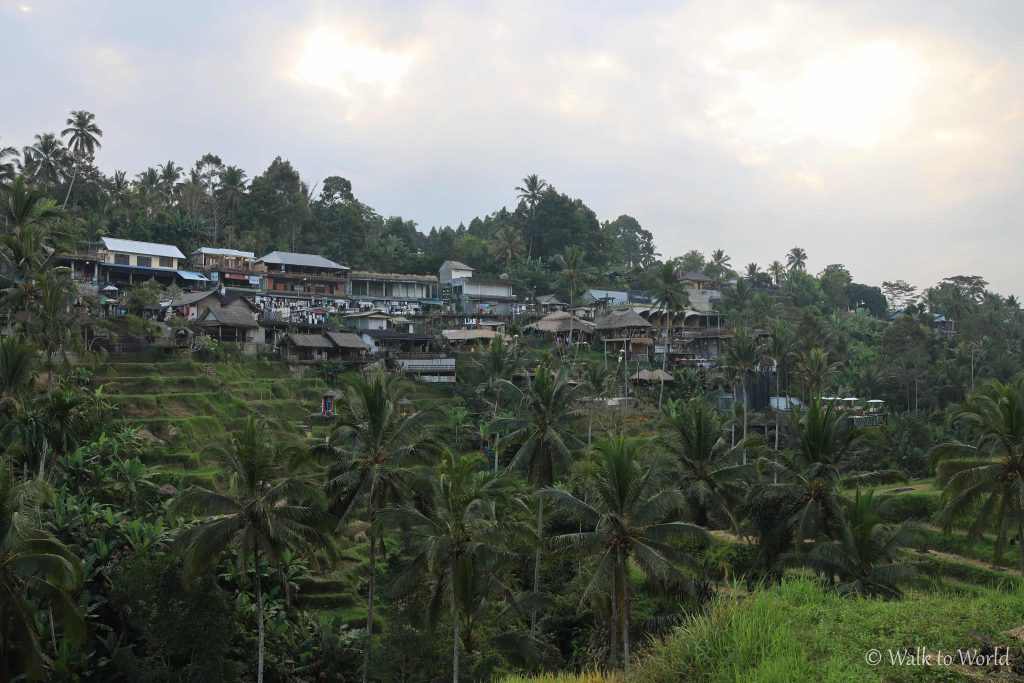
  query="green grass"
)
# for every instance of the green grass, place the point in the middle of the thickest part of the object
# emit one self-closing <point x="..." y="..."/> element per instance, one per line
<point x="800" y="631"/>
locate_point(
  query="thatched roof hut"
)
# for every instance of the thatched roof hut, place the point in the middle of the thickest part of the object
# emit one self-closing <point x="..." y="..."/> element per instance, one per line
<point x="561" y="322"/>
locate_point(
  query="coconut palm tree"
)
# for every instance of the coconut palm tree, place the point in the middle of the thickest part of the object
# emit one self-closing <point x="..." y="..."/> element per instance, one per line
<point x="260" y="510"/>
<point x="36" y="571"/>
<point x="18" y="361"/>
<point x="778" y="272"/>
<point x="573" y="274"/>
<point x="375" y="438"/>
<point x="544" y="436"/>
<point x="507" y="242"/>
<point x="170" y="174"/>
<point x="598" y="383"/>
<point x="779" y="349"/>
<point x="82" y="132"/>
<point x="670" y="296"/>
<point x="989" y="483"/>
<point x="230" y="188"/>
<point x="711" y="476"/>
<point x="531" y="190"/>
<point x="623" y="507"/>
<point x="796" y="259"/>
<point x="718" y="265"/>
<point x="501" y="361"/>
<point x="23" y="206"/>
<point x="866" y="556"/>
<point x="753" y="271"/>
<point x="813" y="371"/>
<point x="741" y="360"/>
<point x="47" y="158"/>
<point x="8" y="169"/>
<point x="459" y="542"/>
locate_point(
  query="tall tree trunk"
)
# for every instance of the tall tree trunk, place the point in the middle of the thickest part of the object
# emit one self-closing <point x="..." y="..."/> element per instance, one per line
<point x="259" y="609"/>
<point x="625" y="615"/>
<point x="70" y="185"/>
<point x="664" y="365"/>
<point x="536" y="563"/>
<point x="743" y="393"/>
<point x="455" y="634"/>
<point x="369" y="603"/>
<point x="1020" y="537"/>
<point x="613" y="657"/>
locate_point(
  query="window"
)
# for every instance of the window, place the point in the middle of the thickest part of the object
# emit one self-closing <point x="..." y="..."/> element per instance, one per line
<point x="121" y="259"/>
<point x="166" y="262"/>
<point x="144" y="261"/>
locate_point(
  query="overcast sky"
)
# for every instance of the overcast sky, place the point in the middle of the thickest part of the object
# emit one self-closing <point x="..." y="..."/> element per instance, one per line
<point x="884" y="135"/>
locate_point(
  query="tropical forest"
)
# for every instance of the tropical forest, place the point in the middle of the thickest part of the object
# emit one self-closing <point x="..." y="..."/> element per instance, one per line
<point x="568" y="458"/>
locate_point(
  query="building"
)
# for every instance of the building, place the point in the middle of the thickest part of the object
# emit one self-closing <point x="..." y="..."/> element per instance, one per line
<point x="232" y="268"/>
<point x="394" y="292"/>
<point x="475" y="295"/>
<point x="128" y="262"/>
<point x="367" y="320"/>
<point x="703" y="290"/>
<point x="305" y="276"/>
<point x="610" y="297"/>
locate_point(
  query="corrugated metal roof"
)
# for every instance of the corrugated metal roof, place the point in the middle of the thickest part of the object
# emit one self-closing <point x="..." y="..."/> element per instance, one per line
<point x="289" y="258"/>
<point x="189" y="275"/>
<point x="457" y="265"/>
<point x="224" y="252"/>
<point x="145" y="248"/>
<point x="191" y="298"/>
<point x="347" y="340"/>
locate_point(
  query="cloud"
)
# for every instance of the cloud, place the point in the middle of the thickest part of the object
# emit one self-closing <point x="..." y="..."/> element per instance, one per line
<point x="879" y="136"/>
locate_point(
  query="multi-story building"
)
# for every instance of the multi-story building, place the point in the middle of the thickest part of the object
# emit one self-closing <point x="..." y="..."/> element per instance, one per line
<point x="128" y="262"/>
<point x="306" y="276"/>
<point x="475" y="295"/>
<point x="231" y="268"/>
<point x="393" y="292"/>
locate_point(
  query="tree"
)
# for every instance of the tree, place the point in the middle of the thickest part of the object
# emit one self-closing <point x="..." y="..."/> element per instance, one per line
<point x="508" y="243"/>
<point x="741" y="360"/>
<point x="867" y="554"/>
<point x="371" y="444"/>
<point x="718" y="266"/>
<point x="796" y="259"/>
<point x="545" y="437"/>
<point x="624" y="508"/>
<point x="82" y="132"/>
<point x="7" y="168"/>
<point x="598" y="383"/>
<point x="835" y="283"/>
<point x="780" y="348"/>
<point x="711" y="477"/>
<point x="260" y="510"/>
<point x="669" y="295"/>
<point x="635" y="245"/>
<point x="170" y="174"/>
<point x="813" y="371"/>
<point x="692" y="262"/>
<point x="459" y="542"/>
<point x="989" y="483"/>
<point x="47" y="158"/>
<point x="36" y="570"/>
<point x="898" y="294"/>
<point x="531" y="190"/>
<point x="499" y="364"/>
<point x="778" y="272"/>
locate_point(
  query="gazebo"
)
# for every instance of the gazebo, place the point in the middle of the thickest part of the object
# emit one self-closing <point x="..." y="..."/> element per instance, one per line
<point x="651" y="376"/>
<point x="625" y="330"/>
<point x="563" y="323"/>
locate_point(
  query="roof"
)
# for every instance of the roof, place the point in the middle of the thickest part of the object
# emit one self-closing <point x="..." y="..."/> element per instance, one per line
<point x="227" y="316"/>
<point x="694" y="276"/>
<point x="652" y="376"/>
<point x="191" y="298"/>
<point x="146" y="248"/>
<point x="469" y="335"/>
<point x="457" y="265"/>
<point x="289" y="258"/>
<point x="562" y="321"/>
<point x="189" y="275"/>
<point x="309" y="341"/>
<point x="224" y="252"/>
<point x="549" y="300"/>
<point x="617" y="320"/>
<point x="609" y="294"/>
<point x="372" y="313"/>
<point x="347" y="340"/>
<point x="395" y="334"/>
<point x="395" y="277"/>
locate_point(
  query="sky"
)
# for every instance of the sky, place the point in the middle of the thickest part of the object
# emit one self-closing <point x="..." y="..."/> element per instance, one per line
<point x="887" y="136"/>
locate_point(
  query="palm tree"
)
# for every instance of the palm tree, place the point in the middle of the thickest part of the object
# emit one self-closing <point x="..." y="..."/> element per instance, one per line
<point x="532" y="190"/>
<point x="711" y="477"/>
<point x="7" y="168"/>
<point x="598" y="382"/>
<point x="18" y="360"/>
<point x="718" y="265"/>
<point x="501" y="362"/>
<point x="990" y="482"/>
<point x="170" y="174"/>
<point x="23" y="206"/>
<point x="741" y="360"/>
<point x="573" y="274"/>
<point x="867" y="555"/>
<point x="35" y="570"/>
<point x="372" y="442"/>
<point x="624" y="507"/>
<point x="48" y="154"/>
<point x="458" y="541"/>
<point x="508" y="243"/>
<point x="230" y="188"/>
<point x="814" y="371"/>
<point x="260" y="511"/>
<point x="84" y="134"/>
<point x="796" y="259"/>
<point x="777" y="271"/>
<point x="753" y="271"/>
<point x="779" y="349"/>
<point x="669" y="295"/>
<point x="545" y="437"/>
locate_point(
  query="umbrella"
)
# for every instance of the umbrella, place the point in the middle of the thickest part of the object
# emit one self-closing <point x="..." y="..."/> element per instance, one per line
<point x="109" y="288"/>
